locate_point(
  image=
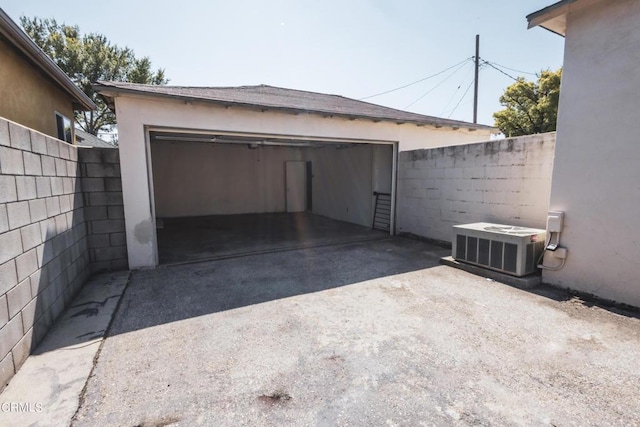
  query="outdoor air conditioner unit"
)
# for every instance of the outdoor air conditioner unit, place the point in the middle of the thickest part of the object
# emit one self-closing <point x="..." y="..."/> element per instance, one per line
<point x="506" y="248"/>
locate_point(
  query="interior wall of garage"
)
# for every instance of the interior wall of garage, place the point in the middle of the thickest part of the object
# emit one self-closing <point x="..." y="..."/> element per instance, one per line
<point x="342" y="182"/>
<point x="196" y="179"/>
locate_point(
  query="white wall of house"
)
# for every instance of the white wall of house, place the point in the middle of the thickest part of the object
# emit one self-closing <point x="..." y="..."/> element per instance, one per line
<point x="134" y="113"/>
<point x="596" y="176"/>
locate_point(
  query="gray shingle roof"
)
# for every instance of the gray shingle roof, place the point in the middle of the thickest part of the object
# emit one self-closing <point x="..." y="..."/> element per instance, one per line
<point x="270" y="97"/>
<point x="85" y="139"/>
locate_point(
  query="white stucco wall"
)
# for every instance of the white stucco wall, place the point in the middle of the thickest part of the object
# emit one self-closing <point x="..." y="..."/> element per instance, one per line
<point x="596" y="175"/>
<point x="134" y="113"/>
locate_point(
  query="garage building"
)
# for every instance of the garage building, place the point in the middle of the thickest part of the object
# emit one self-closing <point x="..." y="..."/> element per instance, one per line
<point x="210" y="172"/>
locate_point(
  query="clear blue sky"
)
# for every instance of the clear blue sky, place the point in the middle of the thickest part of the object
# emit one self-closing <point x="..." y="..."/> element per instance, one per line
<point x="353" y="48"/>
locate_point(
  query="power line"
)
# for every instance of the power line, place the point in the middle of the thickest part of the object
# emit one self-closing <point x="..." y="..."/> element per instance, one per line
<point x="512" y="69"/>
<point x="416" y="82"/>
<point x="455" y="92"/>
<point x="498" y="69"/>
<point x="441" y="82"/>
<point x="463" y="95"/>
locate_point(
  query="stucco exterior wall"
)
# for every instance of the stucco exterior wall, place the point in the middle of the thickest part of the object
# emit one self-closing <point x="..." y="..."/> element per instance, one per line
<point x="504" y="181"/>
<point x="134" y="113"/>
<point x="596" y="174"/>
<point x="27" y="96"/>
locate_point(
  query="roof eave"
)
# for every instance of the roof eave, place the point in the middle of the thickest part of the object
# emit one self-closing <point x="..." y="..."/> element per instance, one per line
<point x="21" y="41"/>
<point x="108" y="93"/>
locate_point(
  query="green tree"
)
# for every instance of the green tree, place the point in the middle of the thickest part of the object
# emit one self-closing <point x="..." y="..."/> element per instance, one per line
<point x="530" y="107"/>
<point x="87" y="58"/>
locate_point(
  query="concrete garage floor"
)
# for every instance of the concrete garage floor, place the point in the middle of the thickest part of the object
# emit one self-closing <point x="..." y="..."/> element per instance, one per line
<point x="220" y="236"/>
<point x="364" y="334"/>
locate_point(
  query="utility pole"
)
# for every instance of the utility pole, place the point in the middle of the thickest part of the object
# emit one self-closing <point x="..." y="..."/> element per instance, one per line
<point x="475" y="86"/>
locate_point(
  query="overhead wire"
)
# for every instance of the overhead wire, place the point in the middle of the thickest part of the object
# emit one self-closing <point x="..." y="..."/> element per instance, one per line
<point x="417" y="81"/>
<point x="461" y="98"/>
<point x="455" y="92"/>
<point x="437" y="85"/>
<point x="511" y="69"/>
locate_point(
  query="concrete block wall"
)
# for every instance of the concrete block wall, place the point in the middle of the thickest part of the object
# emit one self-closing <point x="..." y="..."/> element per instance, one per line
<point x="104" y="209"/>
<point x="43" y="239"/>
<point x="503" y="181"/>
<point x="61" y="219"/>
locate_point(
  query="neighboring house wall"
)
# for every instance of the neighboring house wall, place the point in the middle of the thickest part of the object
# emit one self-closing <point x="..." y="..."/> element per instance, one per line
<point x="43" y="238"/>
<point x="505" y="181"/>
<point x="596" y="177"/>
<point x="28" y="97"/>
<point x="134" y="113"/>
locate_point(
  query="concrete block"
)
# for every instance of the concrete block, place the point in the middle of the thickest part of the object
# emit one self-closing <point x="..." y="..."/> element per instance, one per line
<point x="110" y="155"/>
<point x="57" y="187"/>
<point x="31" y="236"/>
<point x="113" y="184"/>
<point x="48" y="165"/>
<point x="103" y="170"/>
<point x="26" y="264"/>
<point x="96" y="212"/>
<point x="107" y="226"/>
<point x="55" y="269"/>
<point x="18" y="297"/>
<point x="10" y="335"/>
<point x="72" y="168"/>
<point x="8" y="191"/>
<point x="64" y="150"/>
<point x="43" y="187"/>
<point x="119" y="264"/>
<point x="53" y="206"/>
<point x="4" y="219"/>
<point x="26" y="186"/>
<point x="22" y="349"/>
<point x="11" y="161"/>
<point x="53" y="149"/>
<point x="57" y="307"/>
<point x="116" y="212"/>
<point x="93" y="185"/>
<point x="73" y="153"/>
<point x="61" y="223"/>
<point x="98" y="241"/>
<point x="38" y="209"/>
<point x="39" y="280"/>
<point x="8" y="276"/>
<point x="4" y="138"/>
<point x="118" y="239"/>
<point x="65" y="203"/>
<point x="48" y="229"/>
<point x="32" y="164"/>
<point x="38" y="143"/>
<point x="105" y="199"/>
<point x="18" y="213"/>
<point x="4" y="311"/>
<point x="29" y="314"/>
<point x="45" y="254"/>
<point x="61" y="167"/>
<point x="6" y="370"/>
<point x="68" y="185"/>
<point x="20" y="137"/>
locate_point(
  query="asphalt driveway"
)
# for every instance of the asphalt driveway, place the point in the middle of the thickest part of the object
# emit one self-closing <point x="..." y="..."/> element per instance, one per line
<point x="371" y="333"/>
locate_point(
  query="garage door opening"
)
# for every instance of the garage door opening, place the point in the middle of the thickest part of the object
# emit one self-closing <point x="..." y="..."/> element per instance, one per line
<point x="218" y="196"/>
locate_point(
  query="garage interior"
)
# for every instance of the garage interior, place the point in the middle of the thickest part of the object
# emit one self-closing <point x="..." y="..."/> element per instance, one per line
<point x="224" y="195"/>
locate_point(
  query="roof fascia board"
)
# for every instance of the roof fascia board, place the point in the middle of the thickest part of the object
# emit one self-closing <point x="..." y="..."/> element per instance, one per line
<point x="111" y="92"/>
<point x="27" y="47"/>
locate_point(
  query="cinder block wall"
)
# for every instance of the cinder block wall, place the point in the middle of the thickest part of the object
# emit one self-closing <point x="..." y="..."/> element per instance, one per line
<point x="104" y="210"/>
<point x="44" y="256"/>
<point x="503" y="181"/>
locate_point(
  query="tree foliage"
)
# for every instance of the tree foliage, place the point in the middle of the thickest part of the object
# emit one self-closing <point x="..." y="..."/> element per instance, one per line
<point x="87" y="58"/>
<point x="530" y="107"/>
